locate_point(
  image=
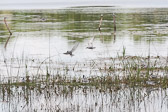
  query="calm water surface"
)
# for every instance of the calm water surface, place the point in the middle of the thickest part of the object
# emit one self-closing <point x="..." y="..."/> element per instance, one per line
<point x="38" y="34"/>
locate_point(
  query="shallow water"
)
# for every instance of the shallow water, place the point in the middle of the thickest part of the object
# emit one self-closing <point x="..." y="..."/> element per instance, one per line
<point x="38" y="34"/>
<point x="62" y="98"/>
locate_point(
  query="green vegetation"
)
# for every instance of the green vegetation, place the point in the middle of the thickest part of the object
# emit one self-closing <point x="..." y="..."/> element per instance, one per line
<point x="135" y="72"/>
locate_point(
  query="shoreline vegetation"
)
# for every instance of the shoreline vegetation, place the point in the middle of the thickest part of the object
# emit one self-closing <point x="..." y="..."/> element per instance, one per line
<point x="136" y="72"/>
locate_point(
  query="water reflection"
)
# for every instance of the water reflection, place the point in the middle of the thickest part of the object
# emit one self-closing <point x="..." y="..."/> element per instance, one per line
<point x="69" y="98"/>
<point x="38" y="34"/>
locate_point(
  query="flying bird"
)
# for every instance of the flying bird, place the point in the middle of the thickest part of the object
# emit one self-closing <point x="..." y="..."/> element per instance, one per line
<point x="72" y="50"/>
<point x="90" y="44"/>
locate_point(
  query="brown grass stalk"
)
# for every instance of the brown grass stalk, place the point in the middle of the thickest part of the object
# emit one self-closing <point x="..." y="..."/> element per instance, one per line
<point x="101" y="18"/>
<point x="7" y="41"/>
<point x="7" y="26"/>
<point x="114" y="24"/>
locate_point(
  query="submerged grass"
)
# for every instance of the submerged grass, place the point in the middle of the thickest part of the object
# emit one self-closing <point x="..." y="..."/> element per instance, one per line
<point x="123" y="71"/>
<point x="116" y="76"/>
<point x="97" y="81"/>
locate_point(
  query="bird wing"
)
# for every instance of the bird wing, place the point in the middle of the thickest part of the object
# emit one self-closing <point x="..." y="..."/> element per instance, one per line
<point x="92" y="39"/>
<point x="74" y="47"/>
<point x="91" y="42"/>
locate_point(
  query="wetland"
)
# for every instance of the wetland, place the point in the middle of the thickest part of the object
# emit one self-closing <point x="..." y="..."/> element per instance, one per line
<point x="126" y="71"/>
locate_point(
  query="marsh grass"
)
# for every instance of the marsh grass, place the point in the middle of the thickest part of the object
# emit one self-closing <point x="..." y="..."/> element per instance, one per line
<point x="10" y="33"/>
<point x="47" y="85"/>
<point x="136" y="79"/>
<point x="115" y="73"/>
